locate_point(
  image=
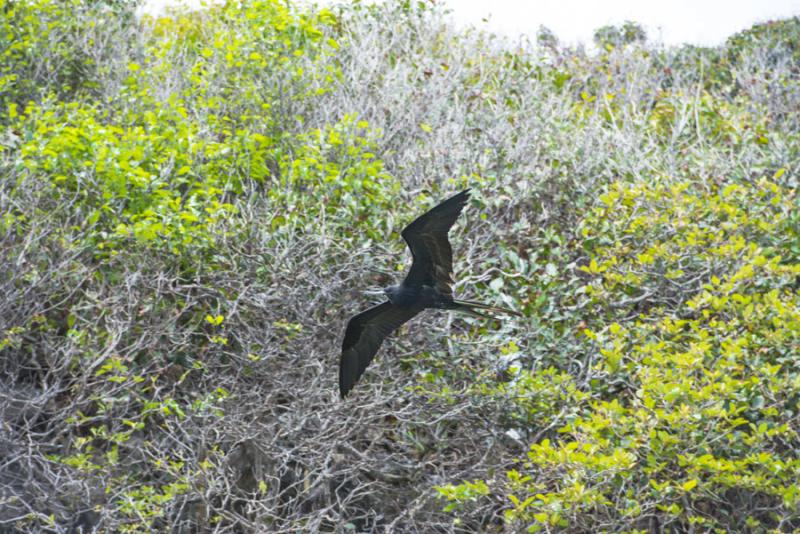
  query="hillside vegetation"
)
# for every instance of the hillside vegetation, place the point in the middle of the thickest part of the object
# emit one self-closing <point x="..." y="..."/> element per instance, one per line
<point x="191" y="205"/>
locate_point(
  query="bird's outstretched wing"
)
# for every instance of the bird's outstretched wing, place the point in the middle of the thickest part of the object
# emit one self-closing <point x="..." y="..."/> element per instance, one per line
<point x="363" y="337"/>
<point x="427" y="239"/>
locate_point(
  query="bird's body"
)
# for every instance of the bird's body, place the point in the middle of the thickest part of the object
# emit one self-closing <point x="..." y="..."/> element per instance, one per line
<point x="411" y="296"/>
<point x="427" y="285"/>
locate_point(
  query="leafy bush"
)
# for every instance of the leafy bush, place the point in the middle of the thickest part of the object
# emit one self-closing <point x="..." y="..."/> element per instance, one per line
<point x="190" y="203"/>
<point x="688" y="417"/>
<point x="69" y="49"/>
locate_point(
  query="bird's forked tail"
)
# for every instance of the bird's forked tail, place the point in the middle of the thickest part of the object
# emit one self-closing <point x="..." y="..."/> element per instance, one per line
<point x="472" y="307"/>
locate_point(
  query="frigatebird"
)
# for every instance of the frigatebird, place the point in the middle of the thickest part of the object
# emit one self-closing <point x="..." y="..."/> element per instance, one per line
<point x="427" y="285"/>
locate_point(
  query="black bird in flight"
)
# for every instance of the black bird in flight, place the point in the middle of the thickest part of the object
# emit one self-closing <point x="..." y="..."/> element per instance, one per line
<point x="427" y="285"/>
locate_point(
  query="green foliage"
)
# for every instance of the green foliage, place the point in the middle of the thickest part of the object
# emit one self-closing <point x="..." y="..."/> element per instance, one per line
<point x="610" y="37"/>
<point x="338" y="163"/>
<point x="143" y="169"/>
<point x="699" y="430"/>
<point x="144" y="180"/>
<point x="465" y="492"/>
<point x="190" y="201"/>
<point x="682" y="410"/>
<point x="775" y="34"/>
<point x="56" y="47"/>
<point x="137" y="184"/>
<point x="668" y="237"/>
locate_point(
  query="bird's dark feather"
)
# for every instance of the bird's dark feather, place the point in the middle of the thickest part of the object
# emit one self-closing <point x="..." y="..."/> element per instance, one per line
<point x="428" y="284"/>
<point x="363" y="337"/>
<point x="427" y="238"/>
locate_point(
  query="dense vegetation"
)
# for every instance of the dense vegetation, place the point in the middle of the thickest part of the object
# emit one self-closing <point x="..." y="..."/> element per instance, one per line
<point x="190" y="205"/>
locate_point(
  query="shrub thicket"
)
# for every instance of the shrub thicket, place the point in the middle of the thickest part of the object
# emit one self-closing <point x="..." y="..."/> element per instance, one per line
<point x="190" y="204"/>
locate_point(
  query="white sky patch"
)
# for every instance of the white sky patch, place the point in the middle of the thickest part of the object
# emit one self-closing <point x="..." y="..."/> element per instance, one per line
<point x="698" y="22"/>
<point x="675" y="22"/>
